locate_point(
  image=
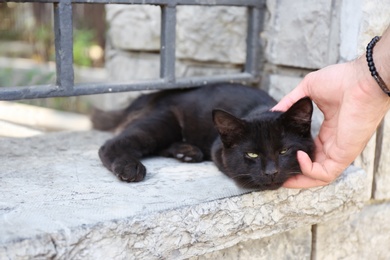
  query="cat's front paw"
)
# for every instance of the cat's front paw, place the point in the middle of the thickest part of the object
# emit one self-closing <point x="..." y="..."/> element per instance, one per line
<point x="128" y="169"/>
<point x="184" y="152"/>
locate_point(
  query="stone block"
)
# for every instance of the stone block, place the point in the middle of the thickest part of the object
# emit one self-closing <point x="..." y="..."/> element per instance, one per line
<point x="295" y="244"/>
<point x="186" y="68"/>
<point x="350" y="23"/>
<point x="360" y="21"/>
<point x="365" y="235"/>
<point x="58" y="200"/>
<point x="301" y="33"/>
<point x="382" y="175"/>
<point x="123" y="66"/>
<point x="280" y="85"/>
<point x="220" y="34"/>
<point x="134" y="27"/>
<point x="366" y="161"/>
<point x="130" y="66"/>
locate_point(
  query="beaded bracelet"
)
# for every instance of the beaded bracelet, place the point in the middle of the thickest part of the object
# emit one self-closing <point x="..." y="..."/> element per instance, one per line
<point x="371" y="65"/>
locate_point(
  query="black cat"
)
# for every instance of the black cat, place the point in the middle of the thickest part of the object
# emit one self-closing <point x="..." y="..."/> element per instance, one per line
<point x="228" y="123"/>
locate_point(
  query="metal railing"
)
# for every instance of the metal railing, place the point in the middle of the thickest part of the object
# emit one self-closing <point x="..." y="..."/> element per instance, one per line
<point x="63" y="30"/>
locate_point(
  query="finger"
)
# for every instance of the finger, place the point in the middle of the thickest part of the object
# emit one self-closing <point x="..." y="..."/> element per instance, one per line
<point x="286" y="102"/>
<point x="302" y="181"/>
<point x="326" y="171"/>
<point x="305" y="180"/>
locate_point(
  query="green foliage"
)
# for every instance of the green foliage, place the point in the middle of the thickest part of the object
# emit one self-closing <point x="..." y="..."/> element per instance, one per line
<point x="18" y="77"/>
<point x="83" y="40"/>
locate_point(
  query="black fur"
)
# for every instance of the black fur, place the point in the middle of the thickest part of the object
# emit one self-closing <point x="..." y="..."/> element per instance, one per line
<point x="227" y="123"/>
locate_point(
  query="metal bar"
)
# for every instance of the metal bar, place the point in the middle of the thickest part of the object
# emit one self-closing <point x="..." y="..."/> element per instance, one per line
<point x="255" y="20"/>
<point x="155" y="2"/>
<point x="168" y="43"/>
<point x="42" y="91"/>
<point x="64" y="52"/>
<point x="63" y="30"/>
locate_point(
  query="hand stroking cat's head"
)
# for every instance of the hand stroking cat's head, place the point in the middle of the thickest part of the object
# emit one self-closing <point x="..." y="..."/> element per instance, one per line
<point x="260" y="150"/>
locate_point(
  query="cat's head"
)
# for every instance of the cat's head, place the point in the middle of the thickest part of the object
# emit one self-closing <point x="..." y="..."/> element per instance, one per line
<point x="260" y="151"/>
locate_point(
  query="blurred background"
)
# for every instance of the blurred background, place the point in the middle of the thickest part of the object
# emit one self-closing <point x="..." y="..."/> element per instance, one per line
<point x="27" y="49"/>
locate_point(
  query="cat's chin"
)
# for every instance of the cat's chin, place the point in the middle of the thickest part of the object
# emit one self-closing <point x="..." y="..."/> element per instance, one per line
<point x="273" y="186"/>
<point x="262" y="186"/>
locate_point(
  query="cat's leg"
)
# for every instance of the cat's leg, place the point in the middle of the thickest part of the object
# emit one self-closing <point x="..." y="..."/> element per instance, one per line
<point x="145" y="136"/>
<point x="184" y="152"/>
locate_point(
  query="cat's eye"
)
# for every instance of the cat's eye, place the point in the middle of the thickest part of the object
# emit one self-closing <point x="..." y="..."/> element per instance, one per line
<point x="252" y="155"/>
<point x="283" y="151"/>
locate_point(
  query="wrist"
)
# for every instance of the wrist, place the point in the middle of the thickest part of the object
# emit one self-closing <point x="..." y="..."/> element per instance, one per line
<point x="366" y="81"/>
<point x="367" y="89"/>
<point x="374" y="76"/>
<point x="381" y="56"/>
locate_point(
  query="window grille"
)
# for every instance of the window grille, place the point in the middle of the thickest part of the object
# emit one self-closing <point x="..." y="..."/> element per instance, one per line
<point x="63" y="32"/>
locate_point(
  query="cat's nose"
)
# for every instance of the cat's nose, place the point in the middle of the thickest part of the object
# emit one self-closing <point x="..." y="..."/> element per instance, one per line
<point x="271" y="169"/>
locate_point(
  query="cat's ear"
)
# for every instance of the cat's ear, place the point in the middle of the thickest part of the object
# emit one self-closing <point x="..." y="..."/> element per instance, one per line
<point x="229" y="127"/>
<point x="298" y="116"/>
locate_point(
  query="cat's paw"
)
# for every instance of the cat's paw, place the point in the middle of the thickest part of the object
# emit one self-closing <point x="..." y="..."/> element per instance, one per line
<point x="184" y="152"/>
<point x="128" y="169"/>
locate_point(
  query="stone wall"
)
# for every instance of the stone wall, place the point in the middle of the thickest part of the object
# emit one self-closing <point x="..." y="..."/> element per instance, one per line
<point x="299" y="37"/>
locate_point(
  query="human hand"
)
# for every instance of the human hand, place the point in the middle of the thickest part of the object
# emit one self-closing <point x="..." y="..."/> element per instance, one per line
<point x="353" y="106"/>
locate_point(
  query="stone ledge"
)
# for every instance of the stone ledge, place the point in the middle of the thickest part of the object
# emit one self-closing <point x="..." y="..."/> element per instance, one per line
<point x="59" y="202"/>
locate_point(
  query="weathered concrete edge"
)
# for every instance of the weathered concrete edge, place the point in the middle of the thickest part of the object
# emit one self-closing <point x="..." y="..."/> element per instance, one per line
<point x="196" y="230"/>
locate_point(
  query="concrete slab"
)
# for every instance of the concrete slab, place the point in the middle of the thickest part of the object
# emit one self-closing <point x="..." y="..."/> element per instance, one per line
<point x="58" y="201"/>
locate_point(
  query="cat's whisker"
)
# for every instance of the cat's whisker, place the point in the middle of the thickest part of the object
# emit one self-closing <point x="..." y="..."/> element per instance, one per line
<point x="241" y="175"/>
<point x="248" y="184"/>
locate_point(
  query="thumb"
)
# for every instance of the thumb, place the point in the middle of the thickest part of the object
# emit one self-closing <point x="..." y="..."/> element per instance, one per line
<point x="307" y="179"/>
<point x="318" y="171"/>
<point x="305" y="163"/>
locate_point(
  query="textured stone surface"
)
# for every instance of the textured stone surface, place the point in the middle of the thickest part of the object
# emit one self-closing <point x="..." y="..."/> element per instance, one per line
<point x="375" y="19"/>
<point x="382" y="175"/>
<point x="186" y="68"/>
<point x="130" y="66"/>
<point x="365" y="235"/>
<point x="350" y="19"/>
<point x="58" y="201"/>
<point x="281" y="85"/>
<point x="127" y="67"/>
<point x="295" y="244"/>
<point x="218" y="36"/>
<point x="134" y="27"/>
<point x="301" y="33"/>
<point x="366" y="161"/>
<point x="360" y="21"/>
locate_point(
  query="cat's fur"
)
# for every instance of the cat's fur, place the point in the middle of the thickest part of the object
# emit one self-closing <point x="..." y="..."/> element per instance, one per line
<point x="227" y="123"/>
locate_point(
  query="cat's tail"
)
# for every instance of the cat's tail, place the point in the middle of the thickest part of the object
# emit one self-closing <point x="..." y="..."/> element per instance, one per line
<point x="107" y="120"/>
